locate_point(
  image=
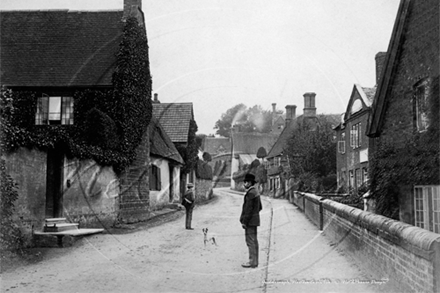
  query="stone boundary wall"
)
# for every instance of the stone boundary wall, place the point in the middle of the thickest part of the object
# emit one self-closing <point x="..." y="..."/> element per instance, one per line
<point x="408" y="256"/>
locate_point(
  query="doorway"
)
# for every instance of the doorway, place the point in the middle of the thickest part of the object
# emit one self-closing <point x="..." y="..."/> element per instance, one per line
<point x="171" y="188"/>
<point x="54" y="184"/>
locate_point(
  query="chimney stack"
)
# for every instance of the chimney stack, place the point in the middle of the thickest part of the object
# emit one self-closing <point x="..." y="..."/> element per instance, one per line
<point x="156" y="100"/>
<point x="309" y="105"/>
<point x="290" y="113"/>
<point x="380" y="62"/>
<point x="133" y="8"/>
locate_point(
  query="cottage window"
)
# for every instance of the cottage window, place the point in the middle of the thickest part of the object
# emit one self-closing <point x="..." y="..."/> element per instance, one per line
<point x="355" y="136"/>
<point x="365" y="175"/>
<point x="421" y="92"/>
<point x="427" y="207"/>
<point x="341" y="144"/>
<point x="154" y="178"/>
<point x="54" y="110"/>
<point x="351" y="179"/>
<point x="341" y="147"/>
<point x="358" y="178"/>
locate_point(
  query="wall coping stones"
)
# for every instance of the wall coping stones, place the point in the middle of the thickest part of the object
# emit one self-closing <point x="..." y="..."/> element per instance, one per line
<point x="414" y="239"/>
<point x="312" y="197"/>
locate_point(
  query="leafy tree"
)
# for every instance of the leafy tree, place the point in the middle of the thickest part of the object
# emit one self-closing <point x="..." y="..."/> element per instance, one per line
<point x="258" y="120"/>
<point x="199" y="140"/>
<point x="261" y="153"/>
<point x="224" y="124"/>
<point x="253" y="119"/>
<point x="311" y="148"/>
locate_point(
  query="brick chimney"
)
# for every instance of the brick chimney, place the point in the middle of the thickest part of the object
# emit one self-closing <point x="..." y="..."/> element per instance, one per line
<point x="380" y="62"/>
<point x="290" y="113"/>
<point x="309" y="105"/>
<point x="156" y="100"/>
<point x="133" y="8"/>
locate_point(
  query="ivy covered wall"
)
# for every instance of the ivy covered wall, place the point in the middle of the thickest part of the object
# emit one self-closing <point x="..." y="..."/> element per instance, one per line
<point x="109" y="123"/>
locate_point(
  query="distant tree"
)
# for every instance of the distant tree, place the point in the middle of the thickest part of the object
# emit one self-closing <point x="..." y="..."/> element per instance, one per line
<point x="253" y="119"/>
<point x="312" y="150"/>
<point x="258" y="120"/>
<point x="224" y="124"/>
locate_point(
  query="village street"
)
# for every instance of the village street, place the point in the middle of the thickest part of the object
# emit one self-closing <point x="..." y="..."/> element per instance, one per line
<point x="168" y="258"/>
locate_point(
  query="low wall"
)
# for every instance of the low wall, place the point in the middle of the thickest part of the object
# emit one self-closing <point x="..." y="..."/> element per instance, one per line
<point x="408" y="256"/>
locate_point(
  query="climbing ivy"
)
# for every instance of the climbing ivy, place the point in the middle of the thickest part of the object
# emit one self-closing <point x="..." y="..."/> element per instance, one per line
<point x="416" y="161"/>
<point x="10" y="235"/>
<point x="109" y="124"/>
<point x="189" y="153"/>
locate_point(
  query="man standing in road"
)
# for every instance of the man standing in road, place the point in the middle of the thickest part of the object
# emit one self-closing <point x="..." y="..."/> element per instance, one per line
<point x="189" y="201"/>
<point x="250" y="219"/>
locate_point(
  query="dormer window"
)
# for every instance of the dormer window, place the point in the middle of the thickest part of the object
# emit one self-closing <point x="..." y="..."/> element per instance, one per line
<point x="54" y="110"/>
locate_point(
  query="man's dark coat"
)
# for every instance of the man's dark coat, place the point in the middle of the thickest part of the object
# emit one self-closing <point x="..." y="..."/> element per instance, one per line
<point x="250" y="215"/>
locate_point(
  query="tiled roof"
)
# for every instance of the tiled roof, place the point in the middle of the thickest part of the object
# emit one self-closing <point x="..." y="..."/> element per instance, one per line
<point x="174" y="118"/>
<point x="59" y="48"/>
<point x="366" y="95"/>
<point x="160" y="144"/>
<point x="249" y="143"/>
<point x="281" y="143"/>
<point x="369" y="92"/>
<point x="216" y="145"/>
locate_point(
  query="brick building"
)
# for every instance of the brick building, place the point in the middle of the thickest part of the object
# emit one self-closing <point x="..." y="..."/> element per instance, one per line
<point x="277" y="164"/>
<point x="352" y="149"/>
<point x="404" y="129"/>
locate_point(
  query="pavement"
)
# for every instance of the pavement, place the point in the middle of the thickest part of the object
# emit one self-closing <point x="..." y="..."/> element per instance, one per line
<point x="298" y="258"/>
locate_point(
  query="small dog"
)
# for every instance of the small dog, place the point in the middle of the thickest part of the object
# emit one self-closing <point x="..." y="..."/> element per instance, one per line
<point x="208" y="237"/>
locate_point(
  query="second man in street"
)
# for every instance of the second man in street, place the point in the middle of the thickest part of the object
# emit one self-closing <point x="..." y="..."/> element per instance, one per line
<point x="189" y="201"/>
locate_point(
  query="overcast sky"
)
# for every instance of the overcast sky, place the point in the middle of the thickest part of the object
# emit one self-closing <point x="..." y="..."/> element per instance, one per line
<point x="219" y="53"/>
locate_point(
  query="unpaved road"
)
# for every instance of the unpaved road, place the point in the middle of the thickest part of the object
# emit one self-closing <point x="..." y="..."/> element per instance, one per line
<point x="168" y="258"/>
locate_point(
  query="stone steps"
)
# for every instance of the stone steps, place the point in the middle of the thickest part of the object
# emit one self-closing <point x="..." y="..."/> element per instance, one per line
<point x="58" y="233"/>
<point x="59" y="225"/>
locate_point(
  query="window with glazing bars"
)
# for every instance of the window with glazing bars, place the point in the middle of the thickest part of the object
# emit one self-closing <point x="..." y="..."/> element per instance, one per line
<point x="54" y="110"/>
<point x="427" y="207"/>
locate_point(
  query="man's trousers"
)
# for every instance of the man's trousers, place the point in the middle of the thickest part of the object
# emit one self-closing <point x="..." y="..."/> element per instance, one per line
<point x="189" y="212"/>
<point x="252" y="243"/>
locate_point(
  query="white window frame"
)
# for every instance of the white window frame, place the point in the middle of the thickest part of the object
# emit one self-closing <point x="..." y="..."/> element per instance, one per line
<point x="351" y="178"/>
<point x="341" y="147"/>
<point x="427" y="207"/>
<point x="358" y="177"/>
<point x="56" y="110"/>
<point x="355" y="135"/>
